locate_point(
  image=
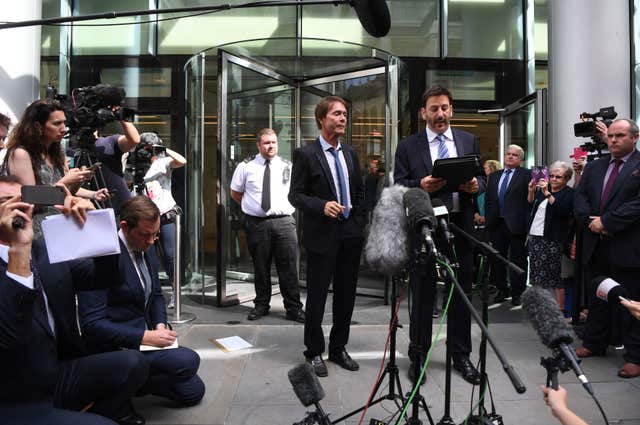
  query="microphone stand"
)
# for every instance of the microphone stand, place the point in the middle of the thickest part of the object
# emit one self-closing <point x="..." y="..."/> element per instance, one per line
<point x="490" y="252"/>
<point x="391" y="369"/>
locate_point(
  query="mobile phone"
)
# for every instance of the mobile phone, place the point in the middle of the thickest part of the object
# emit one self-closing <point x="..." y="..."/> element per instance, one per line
<point x="43" y="195"/>
<point x="578" y="153"/>
<point x="539" y="172"/>
<point x="623" y="298"/>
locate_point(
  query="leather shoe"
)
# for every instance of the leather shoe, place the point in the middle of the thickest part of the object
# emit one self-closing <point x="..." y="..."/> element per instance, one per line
<point x="584" y="352"/>
<point x="344" y="360"/>
<point x="629" y="370"/>
<point x="516" y="301"/>
<point x="295" y="315"/>
<point x="468" y="371"/>
<point x="412" y="374"/>
<point x="319" y="367"/>
<point x="502" y="295"/>
<point x="131" y="419"/>
<point x="257" y="313"/>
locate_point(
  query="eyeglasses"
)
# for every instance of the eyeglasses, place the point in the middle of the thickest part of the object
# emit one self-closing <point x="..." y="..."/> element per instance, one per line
<point x="556" y="176"/>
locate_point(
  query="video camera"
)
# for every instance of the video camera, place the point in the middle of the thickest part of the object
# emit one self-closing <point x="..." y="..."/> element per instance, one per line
<point x="89" y="109"/>
<point x="139" y="159"/>
<point x="587" y="128"/>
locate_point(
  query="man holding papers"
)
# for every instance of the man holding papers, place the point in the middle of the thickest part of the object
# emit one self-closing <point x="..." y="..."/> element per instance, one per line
<point x="415" y="157"/>
<point x="132" y="312"/>
<point x="46" y="374"/>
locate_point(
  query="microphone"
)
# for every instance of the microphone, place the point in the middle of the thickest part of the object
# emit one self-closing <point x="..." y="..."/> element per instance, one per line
<point x="420" y="214"/>
<point x="608" y="289"/>
<point x="554" y="332"/>
<point x="373" y="16"/>
<point x="386" y="250"/>
<point x="441" y="213"/>
<point x="309" y="391"/>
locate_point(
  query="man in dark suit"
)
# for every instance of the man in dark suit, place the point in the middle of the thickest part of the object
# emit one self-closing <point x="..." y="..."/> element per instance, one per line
<point x="132" y="312"/>
<point x="47" y="376"/>
<point x="607" y="209"/>
<point x="327" y="187"/>
<point x="507" y="217"/>
<point x="414" y="160"/>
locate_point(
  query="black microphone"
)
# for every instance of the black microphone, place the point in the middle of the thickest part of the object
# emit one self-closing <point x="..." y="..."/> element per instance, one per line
<point x="442" y="214"/>
<point x="386" y="250"/>
<point x="309" y="391"/>
<point x="554" y="332"/>
<point x="608" y="289"/>
<point x="419" y="212"/>
<point x="373" y="16"/>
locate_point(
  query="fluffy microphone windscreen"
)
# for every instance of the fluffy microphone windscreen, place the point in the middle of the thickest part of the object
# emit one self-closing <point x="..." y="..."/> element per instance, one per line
<point x="545" y="316"/>
<point x="305" y="384"/>
<point x="419" y="210"/>
<point x="386" y="250"/>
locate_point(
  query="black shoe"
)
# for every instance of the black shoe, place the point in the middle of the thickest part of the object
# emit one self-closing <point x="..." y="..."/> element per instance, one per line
<point x="468" y="371"/>
<point x="318" y="365"/>
<point x="516" y="301"/>
<point x="257" y="313"/>
<point x="501" y="296"/>
<point x="344" y="360"/>
<point x="295" y="315"/>
<point x="131" y="419"/>
<point x="412" y="374"/>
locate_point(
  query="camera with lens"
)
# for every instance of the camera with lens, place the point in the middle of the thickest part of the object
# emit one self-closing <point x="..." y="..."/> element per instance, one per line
<point x="139" y="159"/>
<point x="587" y="128"/>
<point x="89" y="109"/>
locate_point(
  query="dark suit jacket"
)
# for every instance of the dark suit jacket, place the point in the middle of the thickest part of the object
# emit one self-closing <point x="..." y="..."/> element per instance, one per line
<point x="557" y="216"/>
<point x="117" y="317"/>
<point x="413" y="162"/>
<point x="312" y="187"/>
<point x="29" y="352"/>
<point x="516" y="207"/>
<point x="621" y="215"/>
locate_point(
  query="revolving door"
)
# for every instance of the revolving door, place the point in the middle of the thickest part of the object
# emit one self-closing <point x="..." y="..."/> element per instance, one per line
<point x="235" y="90"/>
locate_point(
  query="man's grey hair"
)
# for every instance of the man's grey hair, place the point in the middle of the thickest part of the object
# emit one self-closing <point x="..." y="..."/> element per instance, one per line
<point x="633" y="127"/>
<point x="517" y="148"/>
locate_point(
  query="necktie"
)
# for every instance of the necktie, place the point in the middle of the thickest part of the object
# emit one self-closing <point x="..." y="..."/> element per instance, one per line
<point x="144" y="274"/>
<point x="40" y="307"/>
<point x="503" y="189"/>
<point x="266" y="187"/>
<point x="607" y="188"/>
<point x="344" y="196"/>
<point x="443" y="152"/>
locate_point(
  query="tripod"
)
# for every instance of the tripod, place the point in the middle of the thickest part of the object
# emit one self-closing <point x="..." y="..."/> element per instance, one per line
<point x="391" y="369"/>
<point x="87" y="157"/>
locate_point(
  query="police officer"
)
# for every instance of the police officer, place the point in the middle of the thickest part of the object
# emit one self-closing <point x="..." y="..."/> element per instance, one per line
<point x="261" y="185"/>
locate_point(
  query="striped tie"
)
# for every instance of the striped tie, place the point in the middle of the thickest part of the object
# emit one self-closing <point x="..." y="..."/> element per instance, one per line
<point x="443" y="152"/>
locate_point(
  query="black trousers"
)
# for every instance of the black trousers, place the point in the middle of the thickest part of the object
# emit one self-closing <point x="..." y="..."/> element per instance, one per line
<point x="108" y="380"/>
<point x="340" y="266"/>
<point x="422" y="280"/>
<point x="270" y="238"/>
<point x="610" y="322"/>
<point x="512" y="247"/>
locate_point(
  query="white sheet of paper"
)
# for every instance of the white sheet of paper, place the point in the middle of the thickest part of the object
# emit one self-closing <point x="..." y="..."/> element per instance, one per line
<point x="66" y="240"/>
<point x="153" y="348"/>
<point x="233" y="343"/>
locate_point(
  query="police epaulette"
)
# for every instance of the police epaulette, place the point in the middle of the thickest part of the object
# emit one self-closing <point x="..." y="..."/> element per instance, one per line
<point x="248" y="159"/>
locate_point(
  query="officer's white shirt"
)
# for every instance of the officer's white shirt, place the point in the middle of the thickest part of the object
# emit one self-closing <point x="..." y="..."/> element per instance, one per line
<point x="247" y="179"/>
<point x="434" y="145"/>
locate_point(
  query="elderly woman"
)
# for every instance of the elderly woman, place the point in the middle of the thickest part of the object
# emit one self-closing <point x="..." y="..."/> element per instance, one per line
<point x="490" y="166"/>
<point x="35" y="157"/>
<point x="552" y="209"/>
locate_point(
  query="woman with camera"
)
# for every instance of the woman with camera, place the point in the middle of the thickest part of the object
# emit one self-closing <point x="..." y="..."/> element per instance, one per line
<point x="35" y="157"/>
<point x="551" y="212"/>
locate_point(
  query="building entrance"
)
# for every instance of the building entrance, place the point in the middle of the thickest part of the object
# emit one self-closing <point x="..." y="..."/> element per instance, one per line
<point x="235" y="90"/>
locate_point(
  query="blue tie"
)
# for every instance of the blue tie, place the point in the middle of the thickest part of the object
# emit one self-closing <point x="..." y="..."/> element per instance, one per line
<point x="443" y="152"/>
<point x="344" y="198"/>
<point x="503" y="190"/>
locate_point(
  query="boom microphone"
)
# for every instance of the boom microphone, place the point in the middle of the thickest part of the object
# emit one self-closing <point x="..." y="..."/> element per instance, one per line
<point x="386" y="250"/>
<point x="554" y="332"/>
<point x="608" y="289"/>
<point x="441" y="213"/>
<point x="420" y="215"/>
<point x="305" y="384"/>
<point x="373" y="16"/>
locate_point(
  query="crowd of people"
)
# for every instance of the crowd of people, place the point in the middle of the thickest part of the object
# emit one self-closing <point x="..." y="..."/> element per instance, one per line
<point x="535" y="218"/>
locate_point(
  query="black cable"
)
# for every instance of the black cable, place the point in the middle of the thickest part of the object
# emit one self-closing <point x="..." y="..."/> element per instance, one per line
<point x="139" y="22"/>
<point x="604" y="415"/>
